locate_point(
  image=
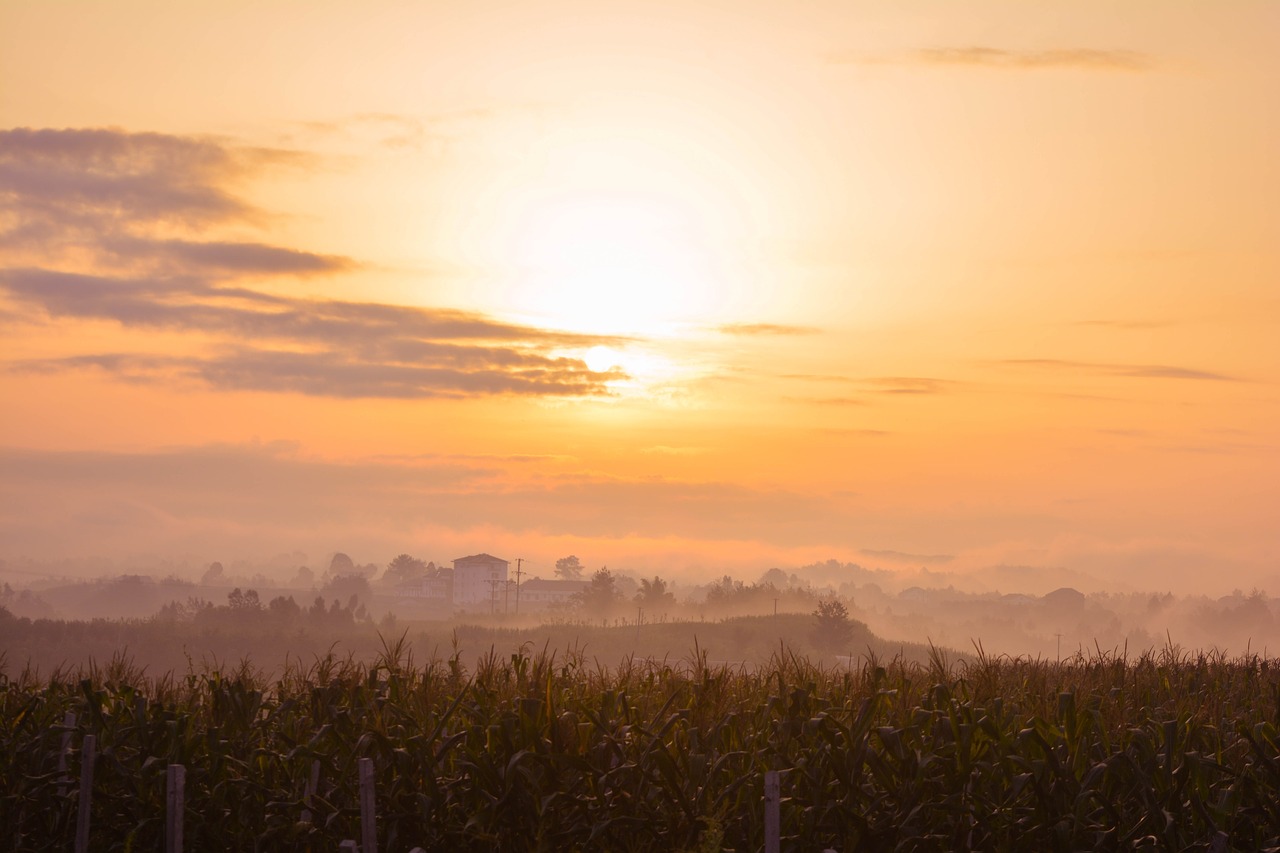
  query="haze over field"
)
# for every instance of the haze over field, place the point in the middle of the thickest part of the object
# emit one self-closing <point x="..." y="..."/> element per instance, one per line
<point x="683" y="288"/>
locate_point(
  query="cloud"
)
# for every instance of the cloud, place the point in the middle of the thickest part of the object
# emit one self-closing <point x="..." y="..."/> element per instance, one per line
<point x="981" y="56"/>
<point x="1138" y="371"/>
<point x="762" y="329"/>
<point x="100" y="221"/>
<point x="1125" y="324"/>
<point x="273" y="494"/>
<point x="143" y="177"/>
<point x="989" y="57"/>
<point x="830" y="401"/>
<point x="328" y="374"/>
<point x="227" y="257"/>
<point x="909" y="558"/>
<point x="907" y="385"/>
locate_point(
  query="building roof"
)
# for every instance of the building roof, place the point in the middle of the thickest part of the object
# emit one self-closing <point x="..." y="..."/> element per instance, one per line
<point x="550" y="585"/>
<point x="482" y="558"/>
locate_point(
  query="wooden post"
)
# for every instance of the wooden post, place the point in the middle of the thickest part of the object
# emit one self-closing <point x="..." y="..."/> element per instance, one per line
<point x="68" y="723"/>
<point x="368" y="805"/>
<point x="175" y="804"/>
<point x="772" y="812"/>
<point x="312" y="784"/>
<point x="88" y="751"/>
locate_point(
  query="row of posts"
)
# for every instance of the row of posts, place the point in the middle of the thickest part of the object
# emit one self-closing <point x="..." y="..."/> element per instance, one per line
<point x="175" y="787"/>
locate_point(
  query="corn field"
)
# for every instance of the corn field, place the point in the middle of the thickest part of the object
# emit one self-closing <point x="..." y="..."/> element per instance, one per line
<point x="533" y="751"/>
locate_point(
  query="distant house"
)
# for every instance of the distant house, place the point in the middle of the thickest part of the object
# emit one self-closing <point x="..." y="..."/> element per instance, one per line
<point x="434" y="589"/>
<point x="479" y="582"/>
<point x="536" y="593"/>
<point x="1065" y="599"/>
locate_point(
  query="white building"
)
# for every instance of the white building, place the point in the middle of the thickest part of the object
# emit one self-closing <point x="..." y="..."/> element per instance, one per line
<point x="479" y="582"/>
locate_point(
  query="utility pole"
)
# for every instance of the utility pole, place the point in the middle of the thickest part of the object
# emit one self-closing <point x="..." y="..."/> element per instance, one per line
<point x="519" y="562"/>
<point x="493" y="595"/>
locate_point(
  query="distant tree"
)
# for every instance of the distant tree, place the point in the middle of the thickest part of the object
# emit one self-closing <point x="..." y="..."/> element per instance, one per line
<point x="284" y="608"/>
<point x="601" y="595"/>
<point x="654" y="595"/>
<point x="348" y="586"/>
<point x="404" y="568"/>
<point x="569" y="568"/>
<point x="777" y="577"/>
<point x="340" y="565"/>
<point x="833" y="628"/>
<point x="304" y="577"/>
<point x="213" y="574"/>
<point x="188" y="611"/>
<point x="247" y="600"/>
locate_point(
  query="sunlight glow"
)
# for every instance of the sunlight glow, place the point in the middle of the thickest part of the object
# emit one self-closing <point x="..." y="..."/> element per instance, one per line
<point x="612" y="263"/>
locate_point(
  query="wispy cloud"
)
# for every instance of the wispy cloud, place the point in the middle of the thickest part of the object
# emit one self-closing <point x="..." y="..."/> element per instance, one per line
<point x="1139" y="371"/>
<point x="990" y="57"/>
<point x="763" y="329"/>
<point x="907" y="385"/>
<point x="880" y="384"/>
<point x="103" y="218"/>
<point x="1125" y="324"/>
<point x="982" y="56"/>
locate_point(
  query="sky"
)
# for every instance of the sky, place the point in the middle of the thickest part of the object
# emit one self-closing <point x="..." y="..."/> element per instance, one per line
<point x="678" y="287"/>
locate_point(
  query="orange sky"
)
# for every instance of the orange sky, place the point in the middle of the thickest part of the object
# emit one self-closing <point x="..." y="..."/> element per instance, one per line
<point x="671" y="286"/>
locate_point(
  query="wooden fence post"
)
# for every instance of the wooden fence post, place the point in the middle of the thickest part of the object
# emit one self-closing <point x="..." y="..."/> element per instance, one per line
<point x="772" y="812"/>
<point x="313" y="782"/>
<point x="68" y="723"/>
<point x="88" y="751"/>
<point x="175" y="805"/>
<point x="368" y="806"/>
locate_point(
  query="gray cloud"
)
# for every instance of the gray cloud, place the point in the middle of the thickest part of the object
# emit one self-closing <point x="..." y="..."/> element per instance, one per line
<point x="226" y="257"/>
<point x="140" y="176"/>
<point x="96" y="200"/>
<point x="329" y="374"/>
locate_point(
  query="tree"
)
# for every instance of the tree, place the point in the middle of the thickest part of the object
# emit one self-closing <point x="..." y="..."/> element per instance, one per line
<point x="348" y="586"/>
<point x="341" y="565"/>
<point x="654" y="595"/>
<point x="247" y="600"/>
<point x="569" y="568"/>
<point x="212" y="575"/>
<point x="404" y="568"/>
<point x="833" y="628"/>
<point x="601" y="595"/>
<point x="284" y="608"/>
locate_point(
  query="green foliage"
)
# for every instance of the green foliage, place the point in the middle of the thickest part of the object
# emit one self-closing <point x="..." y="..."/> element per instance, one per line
<point x="533" y="752"/>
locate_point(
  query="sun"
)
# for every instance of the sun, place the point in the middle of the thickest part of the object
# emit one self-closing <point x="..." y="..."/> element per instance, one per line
<point x="612" y="263"/>
<point x="601" y="358"/>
